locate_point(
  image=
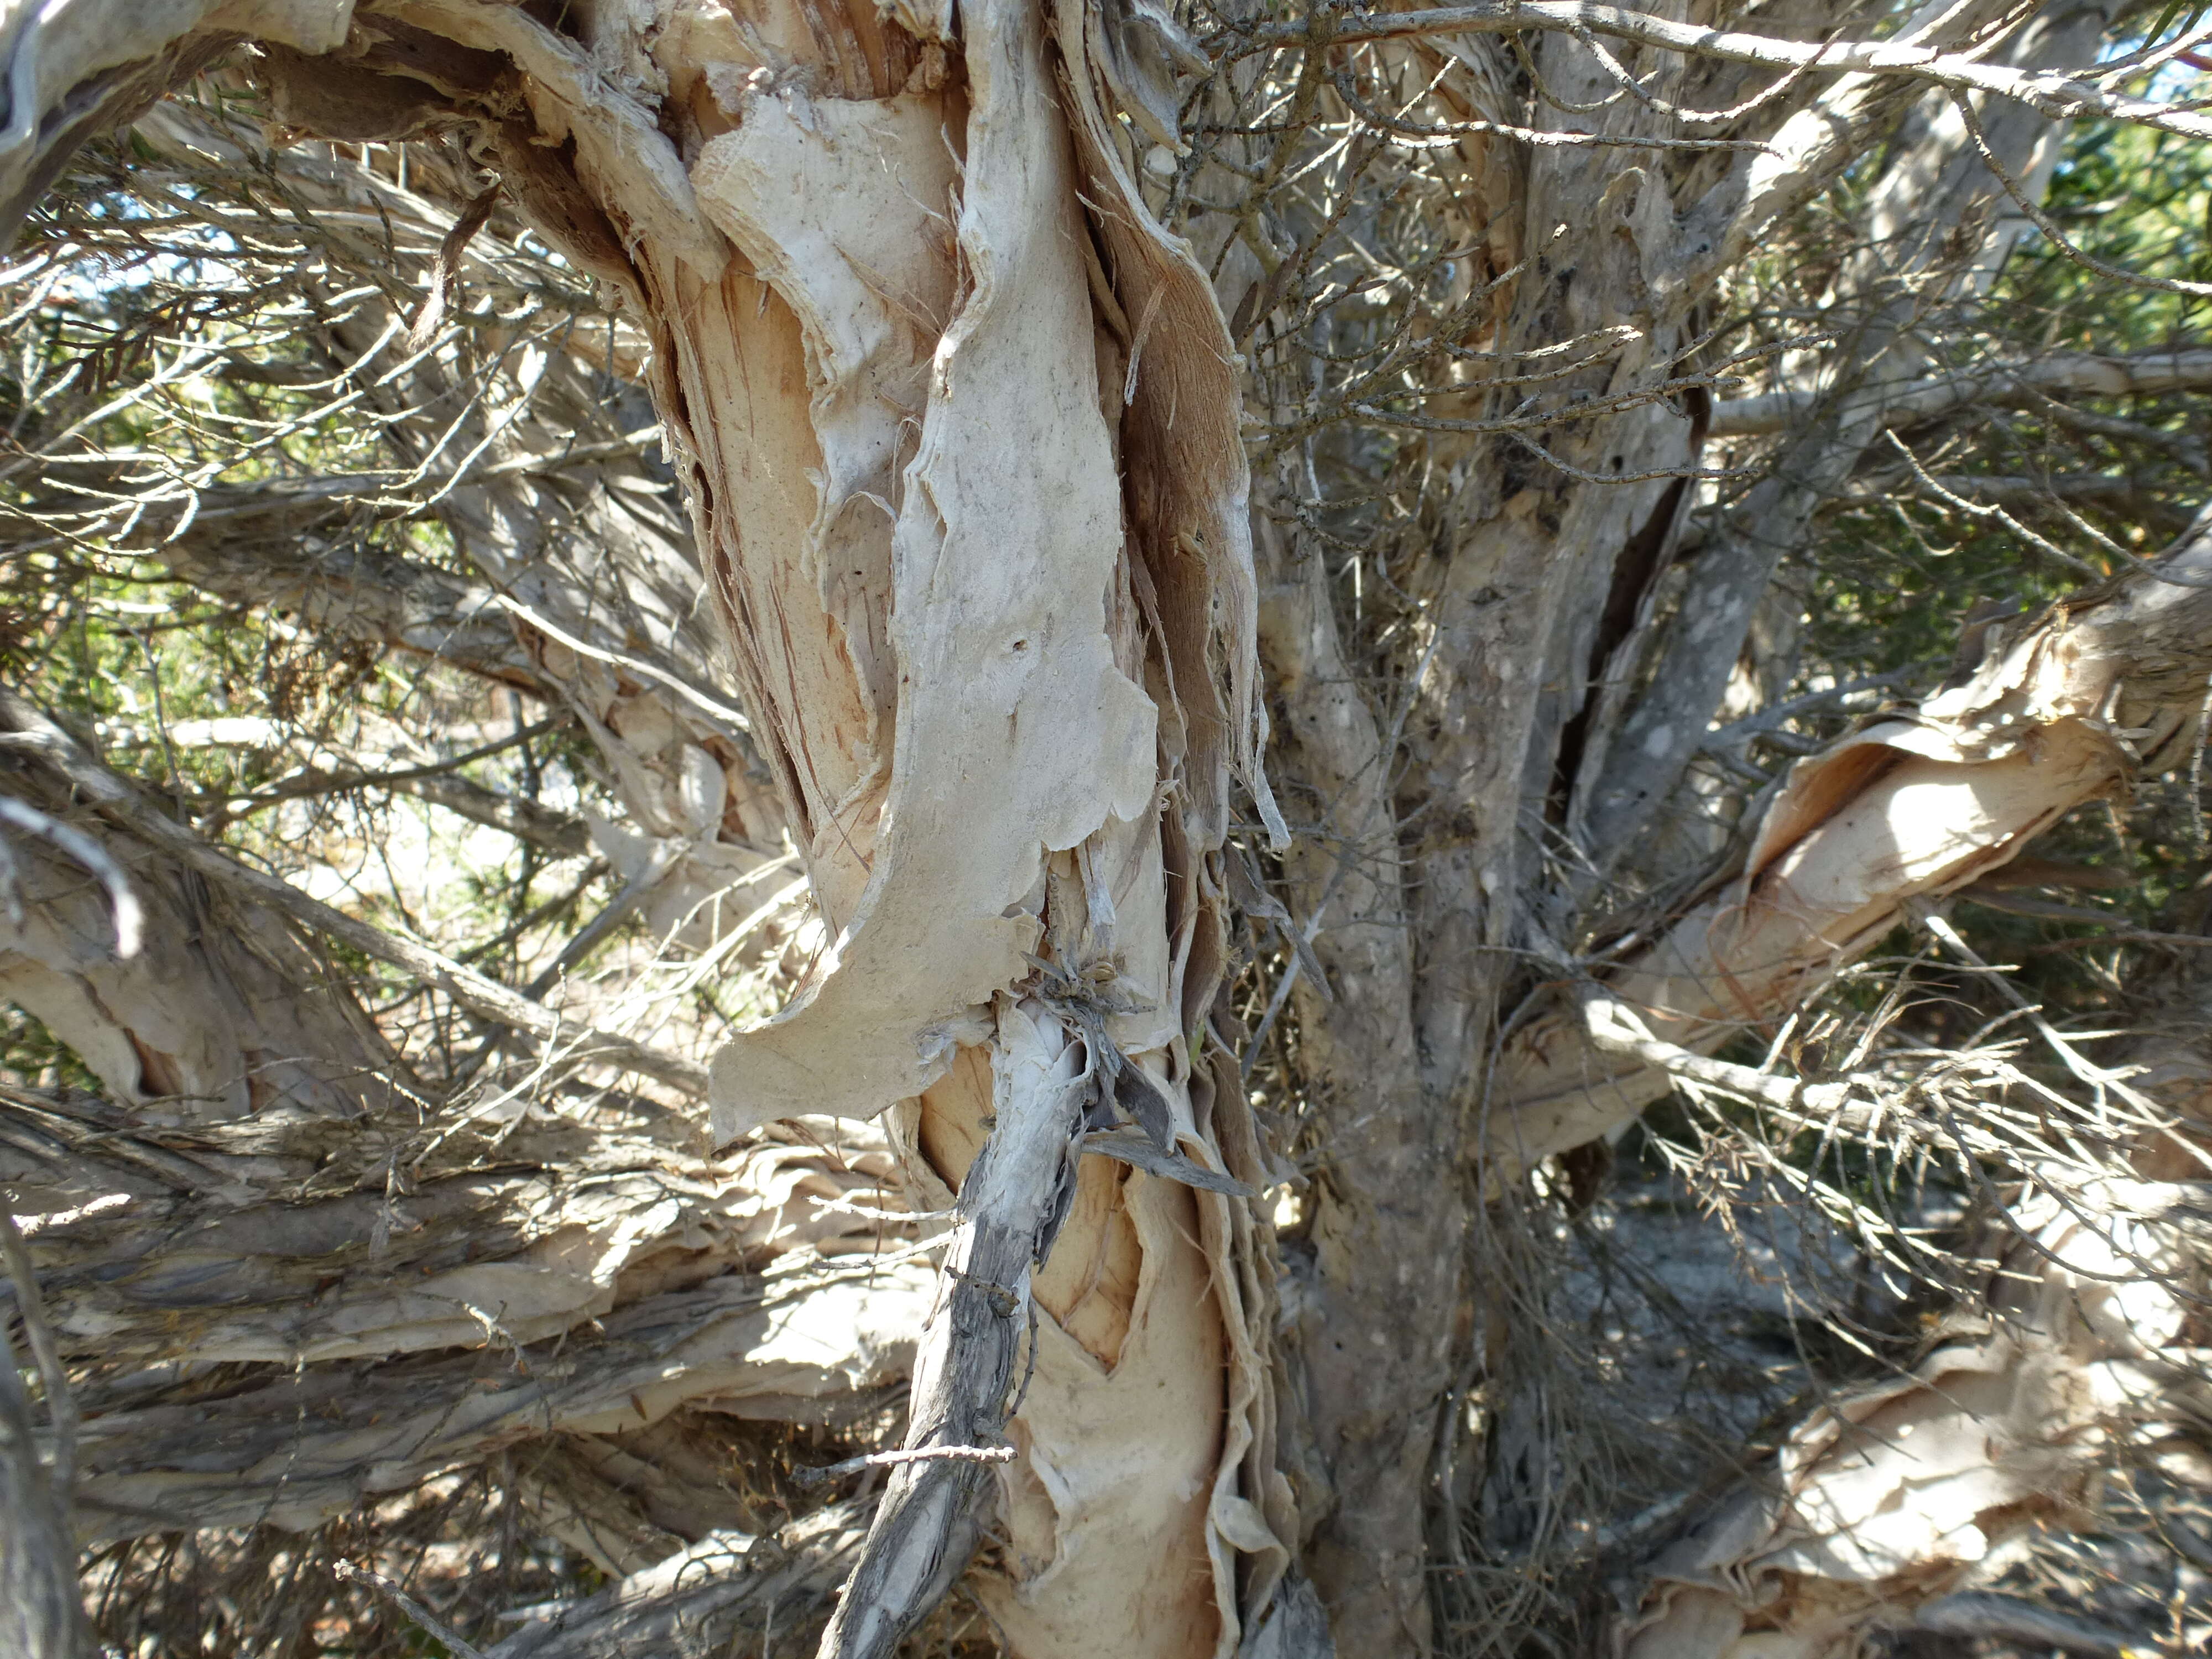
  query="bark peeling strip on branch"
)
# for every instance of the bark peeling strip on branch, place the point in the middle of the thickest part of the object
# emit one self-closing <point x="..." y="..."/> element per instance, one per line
<point x="1891" y="1491"/>
<point x="2061" y="708"/>
<point x="1136" y="1149"/>
<point x="1002" y="549"/>
<point x="2058" y="375"/>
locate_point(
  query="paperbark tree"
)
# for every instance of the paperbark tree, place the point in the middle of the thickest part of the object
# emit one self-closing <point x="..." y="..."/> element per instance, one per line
<point x="1000" y="355"/>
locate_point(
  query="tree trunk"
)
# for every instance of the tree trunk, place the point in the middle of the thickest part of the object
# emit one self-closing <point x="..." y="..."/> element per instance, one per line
<point x="959" y="417"/>
<point x="865" y="575"/>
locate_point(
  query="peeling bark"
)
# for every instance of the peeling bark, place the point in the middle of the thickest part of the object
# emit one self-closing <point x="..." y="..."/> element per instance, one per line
<point x="2075" y="1339"/>
<point x="926" y="1526"/>
<point x="784" y="478"/>
<point x="261" y="1187"/>
<point x="1880" y="1502"/>
<point x="295" y="1449"/>
<point x="958" y="423"/>
<point x="2061" y="708"/>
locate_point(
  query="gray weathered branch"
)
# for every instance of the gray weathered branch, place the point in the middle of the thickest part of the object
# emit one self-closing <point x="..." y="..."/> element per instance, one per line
<point x="33" y="734"/>
<point x="926" y="1528"/>
<point x="692" y="1601"/>
<point x="2051" y="92"/>
<point x="2057" y="374"/>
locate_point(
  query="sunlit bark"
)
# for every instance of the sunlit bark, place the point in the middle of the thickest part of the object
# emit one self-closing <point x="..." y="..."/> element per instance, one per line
<point x="959" y="427"/>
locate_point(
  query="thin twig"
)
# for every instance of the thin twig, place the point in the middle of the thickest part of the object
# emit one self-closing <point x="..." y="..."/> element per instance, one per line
<point x="486" y="997"/>
<point x="407" y="1604"/>
<point x="2053" y="92"/>
<point x="884" y="1460"/>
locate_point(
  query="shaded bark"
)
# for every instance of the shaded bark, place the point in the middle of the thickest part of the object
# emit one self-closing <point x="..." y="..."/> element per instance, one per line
<point x="2071" y="1350"/>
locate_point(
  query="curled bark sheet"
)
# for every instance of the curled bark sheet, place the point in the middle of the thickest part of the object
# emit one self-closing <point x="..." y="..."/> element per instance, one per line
<point x="2079" y="1337"/>
<point x="888" y="677"/>
<point x="1881" y="1501"/>
<point x="1005" y="547"/>
<point x="2062" y="707"/>
<point x="1180" y="441"/>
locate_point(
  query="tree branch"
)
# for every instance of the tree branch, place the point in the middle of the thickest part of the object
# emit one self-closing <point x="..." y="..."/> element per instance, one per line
<point x="2060" y="94"/>
<point x="926" y="1528"/>
<point x="1838" y="858"/>
<point x="34" y="733"/>
<point x="1886" y="295"/>
<point x="698" y="1593"/>
<point x="2058" y="375"/>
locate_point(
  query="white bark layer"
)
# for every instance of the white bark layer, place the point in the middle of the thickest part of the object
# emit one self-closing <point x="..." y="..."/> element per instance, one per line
<point x="1881" y="1501"/>
<point x="2064" y="707"/>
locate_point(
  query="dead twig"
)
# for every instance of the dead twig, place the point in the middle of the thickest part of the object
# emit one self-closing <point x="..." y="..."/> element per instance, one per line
<point x="891" y="1459"/>
<point x="407" y="1604"/>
